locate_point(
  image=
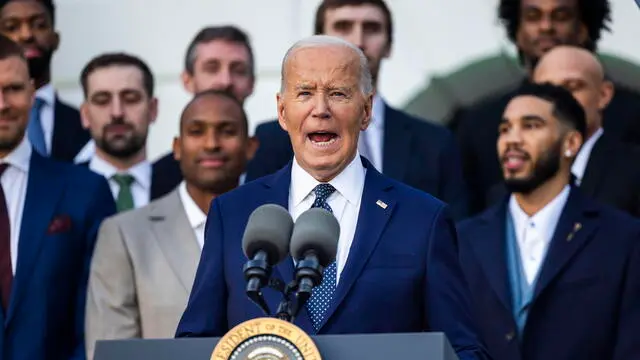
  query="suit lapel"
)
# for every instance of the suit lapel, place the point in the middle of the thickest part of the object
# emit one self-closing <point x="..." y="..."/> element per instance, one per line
<point x="372" y="220"/>
<point x="176" y="237"/>
<point x="572" y="233"/>
<point x="593" y="177"/>
<point x="489" y="246"/>
<point x="396" y="144"/>
<point x="44" y="190"/>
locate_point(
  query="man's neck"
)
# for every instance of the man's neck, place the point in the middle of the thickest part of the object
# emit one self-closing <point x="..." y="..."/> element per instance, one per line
<point x="536" y="200"/>
<point x="201" y="197"/>
<point x="44" y="80"/>
<point x="120" y="163"/>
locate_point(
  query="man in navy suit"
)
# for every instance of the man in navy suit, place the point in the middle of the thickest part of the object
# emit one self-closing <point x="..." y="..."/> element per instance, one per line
<point x="56" y="130"/>
<point x="49" y="217"/>
<point x="553" y="274"/>
<point x="414" y="151"/>
<point x="397" y="265"/>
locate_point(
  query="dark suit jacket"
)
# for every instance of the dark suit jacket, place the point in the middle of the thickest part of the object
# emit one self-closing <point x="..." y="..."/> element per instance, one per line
<point x="418" y="153"/>
<point x="63" y="209"/>
<point x="612" y="176"/>
<point x="160" y="186"/>
<point x="69" y="137"/>
<point x="586" y="302"/>
<point x="402" y="273"/>
<point x="477" y="131"/>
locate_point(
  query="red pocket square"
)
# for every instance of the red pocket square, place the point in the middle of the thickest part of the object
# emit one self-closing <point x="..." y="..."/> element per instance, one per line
<point x="59" y="224"/>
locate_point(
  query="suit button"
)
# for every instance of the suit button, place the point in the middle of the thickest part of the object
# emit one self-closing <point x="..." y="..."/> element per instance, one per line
<point x="510" y="335"/>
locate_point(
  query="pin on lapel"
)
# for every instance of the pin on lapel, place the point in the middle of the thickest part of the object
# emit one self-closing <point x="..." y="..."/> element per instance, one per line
<point x="576" y="227"/>
<point x="381" y="203"/>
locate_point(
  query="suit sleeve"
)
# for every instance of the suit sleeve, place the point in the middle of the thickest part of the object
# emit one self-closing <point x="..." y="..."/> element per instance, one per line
<point x="206" y="312"/>
<point x="112" y="310"/>
<point x="453" y="187"/>
<point x="101" y="206"/>
<point x="447" y="307"/>
<point x="627" y="344"/>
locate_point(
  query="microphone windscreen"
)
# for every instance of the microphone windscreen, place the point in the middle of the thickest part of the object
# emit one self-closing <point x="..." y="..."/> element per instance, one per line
<point x="318" y="230"/>
<point x="269" y="228"/>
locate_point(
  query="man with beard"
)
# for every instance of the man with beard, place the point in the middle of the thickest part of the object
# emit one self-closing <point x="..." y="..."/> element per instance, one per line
<point x="118" y="109"/>
<point x="535" y="27"/>
<point x="54" y="128"/>
<point x="145" y="260"/>
<point x="220" y="58"/>
<point x="552" y="273"/>
<point x="414" y="151"/>
<point x="50" y="212"/>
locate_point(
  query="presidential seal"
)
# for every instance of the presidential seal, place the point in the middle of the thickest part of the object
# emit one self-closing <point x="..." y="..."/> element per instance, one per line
<point x="266" y="339"/>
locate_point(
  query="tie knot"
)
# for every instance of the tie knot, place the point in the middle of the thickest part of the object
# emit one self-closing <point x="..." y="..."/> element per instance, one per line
<point x="322" y="191"/>
<point x="37" y="103"/>
<point x="123" y="180"/>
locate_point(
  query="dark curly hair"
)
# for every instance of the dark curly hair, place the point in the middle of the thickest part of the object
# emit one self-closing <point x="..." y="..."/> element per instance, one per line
<point x="594" y="14"/>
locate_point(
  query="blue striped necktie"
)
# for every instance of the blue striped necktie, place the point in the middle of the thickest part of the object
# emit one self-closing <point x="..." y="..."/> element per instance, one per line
<point x="35" y="133"/>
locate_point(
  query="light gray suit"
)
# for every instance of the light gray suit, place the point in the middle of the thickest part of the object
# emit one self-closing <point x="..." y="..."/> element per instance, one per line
<point x="142" y="271"/>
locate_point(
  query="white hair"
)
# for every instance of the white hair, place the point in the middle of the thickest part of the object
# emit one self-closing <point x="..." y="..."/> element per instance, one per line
<point x="366" y="82"/>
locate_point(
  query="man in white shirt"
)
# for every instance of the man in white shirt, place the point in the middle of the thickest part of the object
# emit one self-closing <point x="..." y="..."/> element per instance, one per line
<point x="605" y="168"/>
<point x="54" y="129"/>
<point x="118" y="110"/>
<point x="547" y="262"/>
<point x="146" y="259"/>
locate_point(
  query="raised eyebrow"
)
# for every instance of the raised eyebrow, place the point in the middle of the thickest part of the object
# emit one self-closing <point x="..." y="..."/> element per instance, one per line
<point x="532" y="118"/>
<point x="304" y="87"/>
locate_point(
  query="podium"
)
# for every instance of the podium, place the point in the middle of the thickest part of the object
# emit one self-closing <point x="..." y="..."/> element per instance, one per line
<point x="431" y="346"/>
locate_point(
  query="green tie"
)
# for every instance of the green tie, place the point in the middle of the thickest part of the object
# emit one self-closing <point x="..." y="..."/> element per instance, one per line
<point x="125" y="198"/>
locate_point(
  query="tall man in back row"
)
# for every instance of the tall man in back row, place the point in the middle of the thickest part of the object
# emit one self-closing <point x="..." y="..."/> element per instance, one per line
<point x="411" y="150"/>
<point x="397" y="245"/>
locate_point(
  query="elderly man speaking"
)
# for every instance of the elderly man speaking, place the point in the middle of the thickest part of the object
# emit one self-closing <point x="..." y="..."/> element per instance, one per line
<point x="396" y="268"/>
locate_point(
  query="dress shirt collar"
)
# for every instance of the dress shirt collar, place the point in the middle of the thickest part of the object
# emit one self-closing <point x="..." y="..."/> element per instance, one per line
<point x="582" y="159"/>
<point x="141" y="171"/>
<point x="20" y="157"/>
<point x="377" y="112"/>
<point x="348" y="183"/>
<point x="195" y="215"/>
<point x="47" y="93"/>
<point x="544" y="220"/>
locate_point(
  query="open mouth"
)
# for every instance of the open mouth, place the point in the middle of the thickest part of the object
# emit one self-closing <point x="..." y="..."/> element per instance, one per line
<point x="323" y="138"/>
<point x="32" y="52"/>
<point x="514" y="161"/>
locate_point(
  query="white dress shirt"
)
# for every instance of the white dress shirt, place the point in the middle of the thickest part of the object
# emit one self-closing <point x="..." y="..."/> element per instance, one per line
<point x="534" y="234"/>
<point x="582" y="159"/>
<point x="14" y="184"/>
<point x="48" y="94"/>
<point x="141" y="172"/>
<point x="374" y="134"/>
<point x="345" y="202"/>
<point x="197" y="218"/>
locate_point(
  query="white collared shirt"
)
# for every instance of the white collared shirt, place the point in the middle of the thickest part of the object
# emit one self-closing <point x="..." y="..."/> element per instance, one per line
<point x="48" y="94"/>
<point x="14" y="184"/>
<point x="582" y="159"/>
<point x="534" y="234"/>
<point x="374" y="134"/>
<point x="141" y="172"/>
<point x="345" y="202"/>
<point x="197" y="218"/>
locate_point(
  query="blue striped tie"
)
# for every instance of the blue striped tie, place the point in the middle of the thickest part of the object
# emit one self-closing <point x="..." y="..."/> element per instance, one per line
<point x="322" y="294"/>
<point x="35" y="134"/>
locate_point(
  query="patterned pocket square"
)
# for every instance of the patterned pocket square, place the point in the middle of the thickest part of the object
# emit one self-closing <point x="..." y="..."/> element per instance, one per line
<point x="59" y="224"/>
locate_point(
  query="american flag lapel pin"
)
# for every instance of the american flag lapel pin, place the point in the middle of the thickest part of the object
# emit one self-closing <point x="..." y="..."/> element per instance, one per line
<point x="576" y="227"/>
<point x="381" y="203"/>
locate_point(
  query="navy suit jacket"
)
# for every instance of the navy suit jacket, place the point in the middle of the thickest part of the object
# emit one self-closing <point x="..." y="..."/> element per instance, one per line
<point x="63" y="209"/>
<point x="414" y="151"/>
<point x="402" y="274"/>
<point x="586" y="302"/>
<point x="69" y="137"/>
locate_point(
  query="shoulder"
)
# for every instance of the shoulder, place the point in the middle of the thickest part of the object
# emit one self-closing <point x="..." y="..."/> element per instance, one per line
<point x="429" y="133"/>
<point x="412" y="202"/>
<point x="78" y="175"/>
<point x="270" y="126"/>
<point x="66" y="107"/>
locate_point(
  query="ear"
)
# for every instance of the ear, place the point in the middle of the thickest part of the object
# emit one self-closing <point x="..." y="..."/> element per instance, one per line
<point x="188" y="82"/>
<point x="368" y="112"/>
<point x="281" y="114"/>
<point x="607" y="90"/>
<point x="56" y="40"/>
<point x="252" y="146"/>
<point x="572" y="144"/>
<point x="153" y="110"/>
<point x="84" y="115"/>
<point x="387" y="51"/>
<point x="176" y="148"/>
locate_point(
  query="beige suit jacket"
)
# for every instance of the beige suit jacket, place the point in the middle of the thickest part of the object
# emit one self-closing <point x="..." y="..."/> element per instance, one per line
<point x="142" y="271"/>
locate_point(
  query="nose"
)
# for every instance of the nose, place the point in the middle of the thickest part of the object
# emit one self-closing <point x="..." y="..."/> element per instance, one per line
<point x="117" y="110"/>
<point x="545" y="24"/>
<point x="25" y="33"/>
<point x="513" y="136"/>
<point x="356" y="37"/>
<point x="212" y="140"/>
<point x="223" y="80"/>
<point x="321" y="107"/>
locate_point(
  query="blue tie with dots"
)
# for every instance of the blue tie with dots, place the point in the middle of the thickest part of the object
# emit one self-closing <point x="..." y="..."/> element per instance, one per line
<point x="322" y="294"/>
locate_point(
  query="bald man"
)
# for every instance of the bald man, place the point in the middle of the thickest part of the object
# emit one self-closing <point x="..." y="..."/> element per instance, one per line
<point x="605" y="168"/>
<point x="146" y="259"/>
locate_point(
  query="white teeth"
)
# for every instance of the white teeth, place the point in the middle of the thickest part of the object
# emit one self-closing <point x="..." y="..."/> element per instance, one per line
<point x="324" y="143"/>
